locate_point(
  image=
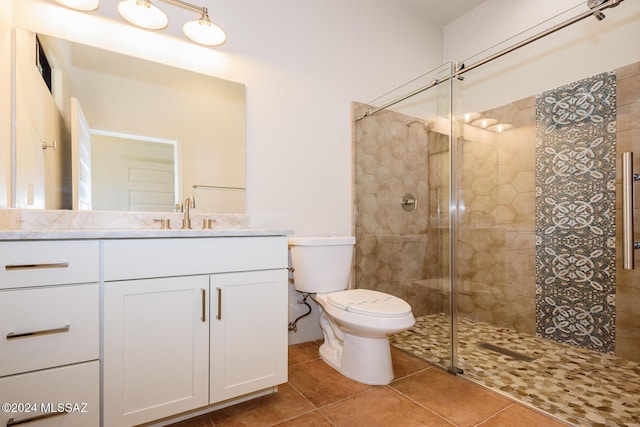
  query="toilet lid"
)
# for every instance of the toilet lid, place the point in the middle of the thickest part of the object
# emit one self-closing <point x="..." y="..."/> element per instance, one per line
<point x="368" y="302"/>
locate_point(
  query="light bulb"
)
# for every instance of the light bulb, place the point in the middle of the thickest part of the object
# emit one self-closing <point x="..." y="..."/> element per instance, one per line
<point x="203" y="31"/>
<point x="143" y="14"/>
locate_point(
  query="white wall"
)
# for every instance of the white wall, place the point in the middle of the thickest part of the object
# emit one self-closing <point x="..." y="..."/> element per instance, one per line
<point x="312" y="59"/>
<point x="494" y="21"/>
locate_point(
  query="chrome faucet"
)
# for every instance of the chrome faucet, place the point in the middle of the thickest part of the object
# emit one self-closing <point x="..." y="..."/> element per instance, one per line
<point x="189" y="202"/>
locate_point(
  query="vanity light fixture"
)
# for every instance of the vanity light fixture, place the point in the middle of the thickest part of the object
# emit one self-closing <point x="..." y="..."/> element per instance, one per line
<point x="144" y="14"/>
<point x="203" y="31"/>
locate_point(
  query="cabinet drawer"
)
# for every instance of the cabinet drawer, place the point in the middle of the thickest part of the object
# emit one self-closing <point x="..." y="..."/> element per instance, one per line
<point x="46" y="327"/>
<point x="24" y="264"/>
<point x="146" y="258"/>
<point x="62" y="397"/>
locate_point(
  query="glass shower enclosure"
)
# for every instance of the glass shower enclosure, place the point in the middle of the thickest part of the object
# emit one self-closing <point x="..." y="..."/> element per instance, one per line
<point x="402" y="162"/>
<point x="489" y="199"/>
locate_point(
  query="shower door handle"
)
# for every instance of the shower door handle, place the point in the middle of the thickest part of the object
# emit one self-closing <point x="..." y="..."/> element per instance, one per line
<point x="628" y="179"/>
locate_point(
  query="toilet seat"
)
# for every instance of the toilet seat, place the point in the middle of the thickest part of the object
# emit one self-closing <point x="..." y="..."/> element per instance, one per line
<point x="369" y="303"/>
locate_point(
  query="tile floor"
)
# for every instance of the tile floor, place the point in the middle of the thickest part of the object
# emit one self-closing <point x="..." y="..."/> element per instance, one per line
<point x="581" y="387"/>
<point x="421" y="395"/>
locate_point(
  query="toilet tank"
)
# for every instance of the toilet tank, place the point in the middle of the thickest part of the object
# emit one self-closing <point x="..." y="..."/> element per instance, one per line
<point x="321" y="264"/>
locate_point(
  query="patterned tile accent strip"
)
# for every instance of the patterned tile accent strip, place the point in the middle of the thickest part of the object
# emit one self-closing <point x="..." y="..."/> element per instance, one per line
<point x="575" y="213"/>
<point x="579" y="386"/>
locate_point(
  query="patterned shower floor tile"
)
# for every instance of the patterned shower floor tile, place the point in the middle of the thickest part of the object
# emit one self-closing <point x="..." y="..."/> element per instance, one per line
<point x="579" y="386"/>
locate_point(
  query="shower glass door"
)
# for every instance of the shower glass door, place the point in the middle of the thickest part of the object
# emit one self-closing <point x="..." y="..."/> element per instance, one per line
<point x="545" y="312"/>
<point x="402" y="198"/>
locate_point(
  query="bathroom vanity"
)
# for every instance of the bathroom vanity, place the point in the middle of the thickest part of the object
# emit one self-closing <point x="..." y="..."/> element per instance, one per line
<point x="139" y="326"/>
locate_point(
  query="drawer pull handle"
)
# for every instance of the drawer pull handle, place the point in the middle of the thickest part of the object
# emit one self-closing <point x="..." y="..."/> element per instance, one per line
<point x="204" y="304"/>
<point x="13" y="335"/>
<point x="219" y="316"/>
<point x="36" y="266"/>
<point x="12" y="422"/>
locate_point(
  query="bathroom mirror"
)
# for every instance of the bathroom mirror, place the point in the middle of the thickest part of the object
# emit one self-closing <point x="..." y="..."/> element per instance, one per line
<point x="157" y="133"/>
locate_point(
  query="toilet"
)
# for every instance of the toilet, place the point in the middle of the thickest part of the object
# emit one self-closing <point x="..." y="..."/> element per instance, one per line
<point x="355" y="323"/>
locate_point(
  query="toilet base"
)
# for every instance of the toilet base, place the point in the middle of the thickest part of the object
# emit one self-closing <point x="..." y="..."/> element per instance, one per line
<point x="366" y="360"/>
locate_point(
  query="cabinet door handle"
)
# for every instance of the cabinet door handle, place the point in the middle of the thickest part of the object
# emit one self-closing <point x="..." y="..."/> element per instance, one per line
<point x="219" y="316"/>
<point x="36" y="266"/>
<point x="204" y="304"/>
<point x="13" y="335"/>
<point x="12" y="422"/>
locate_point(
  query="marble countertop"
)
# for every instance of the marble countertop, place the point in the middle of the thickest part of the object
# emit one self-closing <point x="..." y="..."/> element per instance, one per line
<point x="18" y="224"/>
<point x="6" y="235"/>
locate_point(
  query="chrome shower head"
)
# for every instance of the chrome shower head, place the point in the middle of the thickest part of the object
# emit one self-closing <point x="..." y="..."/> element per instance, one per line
<point x="425" y="125"/>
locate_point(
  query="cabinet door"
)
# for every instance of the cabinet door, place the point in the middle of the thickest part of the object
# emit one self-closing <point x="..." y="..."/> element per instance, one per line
<point x="156" y="335"/>
<point x="248" y="332"/>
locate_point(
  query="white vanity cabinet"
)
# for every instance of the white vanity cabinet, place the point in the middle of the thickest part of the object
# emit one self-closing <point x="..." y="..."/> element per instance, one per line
<point x="49" y="325"/>
<point x="191" y="322"/>
<point x="155" y="348"/>
<point x="248" y="346"/>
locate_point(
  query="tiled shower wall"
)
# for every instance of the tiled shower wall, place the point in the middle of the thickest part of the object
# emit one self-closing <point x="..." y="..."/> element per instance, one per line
<point x="628" y="281"/>
<point x="575" y="213"/>
<point x="496" y="250"/>
<point x="496" y="237"/>
<point x="402" y="253"/>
